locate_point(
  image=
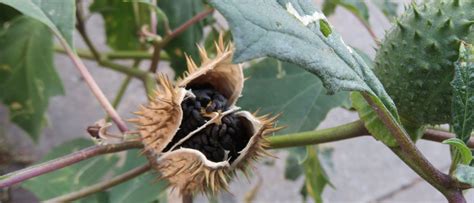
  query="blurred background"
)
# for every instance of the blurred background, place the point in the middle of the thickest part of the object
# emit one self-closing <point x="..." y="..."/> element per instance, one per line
<point x="361" y="170"/>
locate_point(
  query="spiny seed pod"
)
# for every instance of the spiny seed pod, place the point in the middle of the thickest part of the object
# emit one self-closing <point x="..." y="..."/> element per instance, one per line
<point x="415" y="62"/>
<point x="193" y="133"/>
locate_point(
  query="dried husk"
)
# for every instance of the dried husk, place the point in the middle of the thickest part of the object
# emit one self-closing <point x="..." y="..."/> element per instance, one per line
<point x="188" y="170"/>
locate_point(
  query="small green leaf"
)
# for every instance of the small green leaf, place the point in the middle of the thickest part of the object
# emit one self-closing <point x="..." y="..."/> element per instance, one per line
<point x="388" y="8"/>
<point x="179" y="12"/>
<point x="357" y="7"/>
<point x="122" y="22"/>
<point x="58" y="15"/>
<point x="144" y="188"/>
<point x="376" y="126"/>
<point x="289" y="30"/>
<point x="465" y="174"/>
<point x="275" y="87"/>
<point x="27" y="75"/>
<point x="462" y="153"/>
<point x="463" y="93"/>
<point x="316" y="178"/>
<point x="71" y="178"/>
<point x="296" y="157"/>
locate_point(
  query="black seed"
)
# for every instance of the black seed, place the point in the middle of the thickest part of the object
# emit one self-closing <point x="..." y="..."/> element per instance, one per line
<point x="223" y="130"/>
<point x="215" y="130"/>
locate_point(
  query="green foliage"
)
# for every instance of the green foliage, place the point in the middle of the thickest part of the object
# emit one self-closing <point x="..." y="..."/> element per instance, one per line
<point x="58" y="15"/>
<point x="144" y="188"/>
<point x="123" y="21"/>
<point x="316" y="178"/>
<point x="416" y="60"/>
<point x="357" y="7"/>
<point x="461" y="153"/>
<point x="388" y="8"/>
<point x="286" y="31"/>
<point x="465" y="174"/>
<point x="463" y="93"/>
<point x="375" y="126"/>
<point x="71" y="178"/>
<point x="27" y="75"/>
<point x="275" y="87"/>
<point x="179" y="12"/>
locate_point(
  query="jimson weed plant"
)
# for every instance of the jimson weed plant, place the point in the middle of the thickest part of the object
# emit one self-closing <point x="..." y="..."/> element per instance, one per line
<point x="239" y="91"/>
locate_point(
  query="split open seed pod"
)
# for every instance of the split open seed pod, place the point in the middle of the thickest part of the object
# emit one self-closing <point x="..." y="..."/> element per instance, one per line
<point x="193" y="133"/>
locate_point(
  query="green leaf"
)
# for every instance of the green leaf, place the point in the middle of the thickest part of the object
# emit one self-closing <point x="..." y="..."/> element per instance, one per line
<point x="293" y="167"/>
<point x="275" y="87"/>
<point x="463" y="93"/>
<point x="58" y="15"/>
<point x="376" y="126"/>
<point x="144" y="188"/>
<point x="27" y="75"/>
<point x="357" y="7"/>
<point x="388" y="8"/>
<point x="465" y="174"/>
<point x="122" y="22"/>
<point x="316" y="178"/>
<point x="290" y="30"/>
<point x="71" y="178"/>
<point x="179" y="12"/>
<point x="7" y="13"/>
<point x="462" y="154"/>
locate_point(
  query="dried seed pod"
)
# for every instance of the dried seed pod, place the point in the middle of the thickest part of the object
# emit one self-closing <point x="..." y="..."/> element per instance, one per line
<point x="193" y="133"/>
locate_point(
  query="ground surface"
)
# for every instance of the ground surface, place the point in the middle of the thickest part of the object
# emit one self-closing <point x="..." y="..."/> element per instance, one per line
<point x="364" y="169"/>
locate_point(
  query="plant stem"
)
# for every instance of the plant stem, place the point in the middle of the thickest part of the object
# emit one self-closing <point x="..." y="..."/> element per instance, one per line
<point x="102" y="185"/>
<point x="124" y="85"/>
<point x="410" y="154"/>
<point x="346" y="131"/>
<point x="104" y="102"/>
<point x="61" y="162"/>
<point x="131" y="54"/>
<point x="159" y="45"/>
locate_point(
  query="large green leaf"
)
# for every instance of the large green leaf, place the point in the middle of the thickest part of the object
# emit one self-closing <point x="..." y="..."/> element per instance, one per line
<point x="71" y="178"/>
<point x="144" y="188"/>
<point x="27" y="75"/>
<point x="122" y="22"/>
<point x="357" y="7"/>
<point x="275" y="87"/>
<point x="58" y="15"/>
<point x="295" y="31"/>
<point x="179" y="12"/>
<point x="465" y="174"/>
<point x="463" y="93"/>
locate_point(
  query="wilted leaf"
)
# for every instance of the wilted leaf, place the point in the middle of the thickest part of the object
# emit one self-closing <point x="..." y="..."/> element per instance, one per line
<point x="275" y="87"/>
<point x="357" y="7"/>
<point x="179" y="12"/>
<point x="463" y="93"/>
<point x="144" y="188"/>
<point x="122" y="22"/>
<point x="71" y="178"/>
<point x="465" y="174"/>
<point x="58" y="15"/>
<point x="27" y="75"/>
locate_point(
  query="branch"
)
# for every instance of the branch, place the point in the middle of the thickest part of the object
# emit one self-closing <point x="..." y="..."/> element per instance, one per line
<point x="159" y="45"/>
<point x="102" y="185"/>
<point x="61" y="162"/>
<point x="130" y="54"/>
<point x="410" y="154"/>
<point x="346" y="131"/>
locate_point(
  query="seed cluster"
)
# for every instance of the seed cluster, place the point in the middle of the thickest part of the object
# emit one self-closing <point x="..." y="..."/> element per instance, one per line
<point x="217" y="142"/>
